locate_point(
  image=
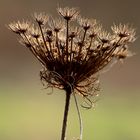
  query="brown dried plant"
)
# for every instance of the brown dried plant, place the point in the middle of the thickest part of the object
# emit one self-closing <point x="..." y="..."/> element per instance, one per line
<point x="72" y="55"/>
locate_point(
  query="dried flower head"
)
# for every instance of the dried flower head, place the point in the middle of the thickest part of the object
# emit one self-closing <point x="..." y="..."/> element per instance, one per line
<point x="41" y="18"/>
<point x="124" y="31"/>
<point x="105" y="37"/>
<point x="19" y="27"/>
<point x="56" y="24"/>
<point x="68" y="13"/>
<point x="86" y="23"/>
<point x="94" y="31"/>
<point x="34" y="31"/>
<point x="72" y="57"/>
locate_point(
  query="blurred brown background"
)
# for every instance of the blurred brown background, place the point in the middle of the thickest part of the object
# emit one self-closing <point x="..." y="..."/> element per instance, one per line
<point x="21" y="97"/>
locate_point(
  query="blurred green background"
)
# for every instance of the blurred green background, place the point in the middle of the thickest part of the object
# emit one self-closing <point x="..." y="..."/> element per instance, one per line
<point x="28" y="113"/>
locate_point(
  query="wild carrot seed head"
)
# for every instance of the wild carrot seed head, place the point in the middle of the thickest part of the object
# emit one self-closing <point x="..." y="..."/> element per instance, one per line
<point x="72" y="56"/>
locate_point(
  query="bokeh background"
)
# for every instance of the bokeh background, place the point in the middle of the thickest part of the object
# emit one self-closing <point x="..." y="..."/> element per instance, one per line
<point x="28" y="113"/>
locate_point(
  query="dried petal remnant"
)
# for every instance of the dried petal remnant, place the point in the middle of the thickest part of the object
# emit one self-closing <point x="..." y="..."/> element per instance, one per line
<point x="72" y="56"/>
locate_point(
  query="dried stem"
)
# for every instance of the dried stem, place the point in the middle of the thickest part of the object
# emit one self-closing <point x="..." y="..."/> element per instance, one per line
<point x="67" y="103"/>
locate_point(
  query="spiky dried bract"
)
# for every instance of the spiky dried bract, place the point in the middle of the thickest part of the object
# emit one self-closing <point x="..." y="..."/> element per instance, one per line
<point x="72" y="56"/>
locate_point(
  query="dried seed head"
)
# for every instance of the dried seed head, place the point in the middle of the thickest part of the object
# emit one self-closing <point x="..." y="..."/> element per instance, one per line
<point x="74" y="31"/>
<point x="56" y="24"/>
<point x="68" y="13"/>
<point x="94" y="31"/>
<point x="86" y="23"/>
<point x="73" y="55"/>
<point x="124" y="31"/>
<point x="105" y="37"/>
<point x="25" y="43"/>
<point x="123" y="53"/>
<point x="19" y="27"/>
<point x="34" y="31"/>
<point x="41" y="18"/>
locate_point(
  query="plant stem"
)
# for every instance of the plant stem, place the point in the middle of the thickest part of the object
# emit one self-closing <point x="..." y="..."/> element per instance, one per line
<point x="67" y="103"/>
<point x="80" y="118"/>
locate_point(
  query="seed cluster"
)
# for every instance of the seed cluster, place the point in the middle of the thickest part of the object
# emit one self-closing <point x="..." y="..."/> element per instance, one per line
<point x="73" y="49"/>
